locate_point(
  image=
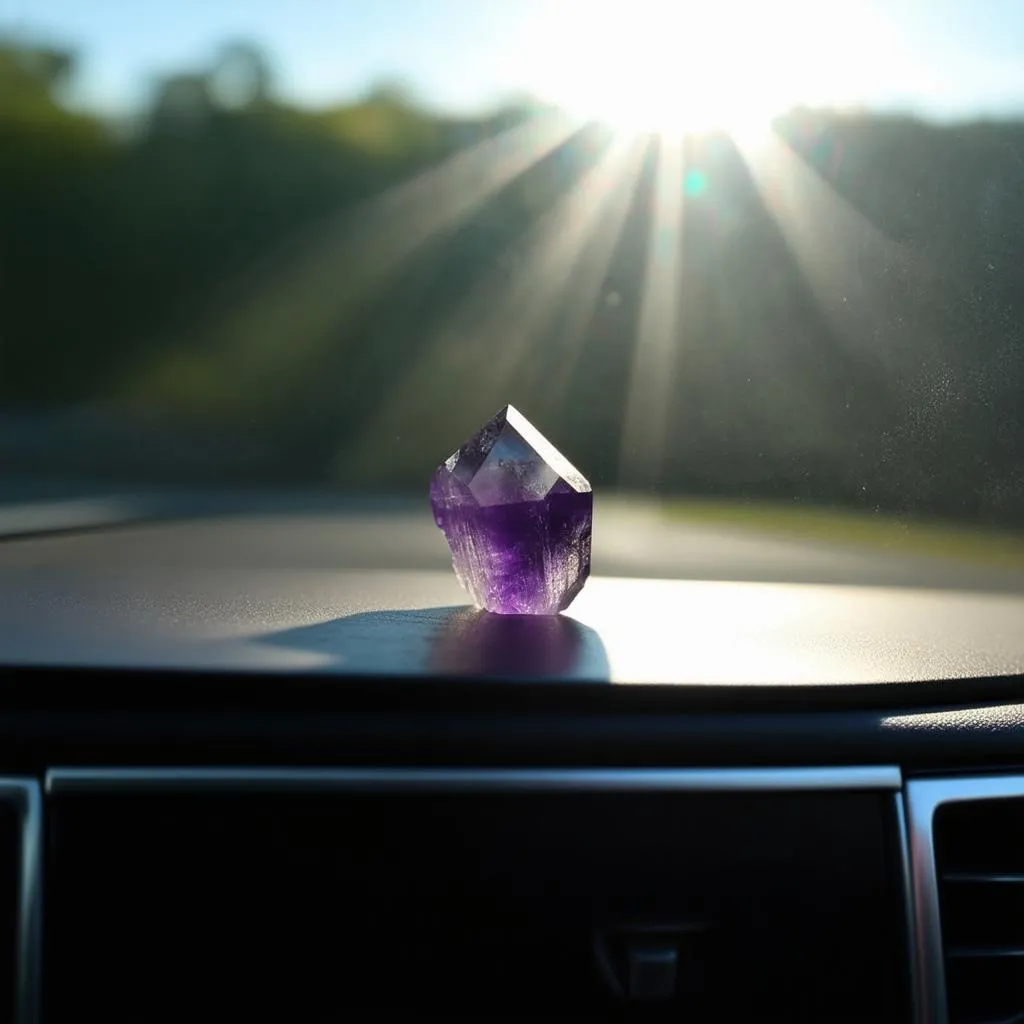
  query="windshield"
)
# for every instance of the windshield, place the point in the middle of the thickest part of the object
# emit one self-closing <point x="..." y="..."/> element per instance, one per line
<point x="756" y="269"/>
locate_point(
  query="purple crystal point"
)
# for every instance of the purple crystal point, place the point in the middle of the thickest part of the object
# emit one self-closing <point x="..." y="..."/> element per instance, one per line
<point x="517" y="515"/>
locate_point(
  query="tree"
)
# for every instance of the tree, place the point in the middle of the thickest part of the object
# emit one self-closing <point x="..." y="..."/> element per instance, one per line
<point x="241" y="77"/>
<point x="183" y="103"/>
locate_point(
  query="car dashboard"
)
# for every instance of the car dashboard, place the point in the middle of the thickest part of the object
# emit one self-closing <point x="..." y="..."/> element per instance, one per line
<point x="276" y="793"/>
<point x="374" y="856"/>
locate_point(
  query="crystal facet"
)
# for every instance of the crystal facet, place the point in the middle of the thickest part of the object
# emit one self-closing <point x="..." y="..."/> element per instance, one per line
<point x="517" y="515"/>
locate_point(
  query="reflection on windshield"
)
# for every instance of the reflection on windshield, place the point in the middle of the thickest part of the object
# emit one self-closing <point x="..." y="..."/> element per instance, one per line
<point x="750" y="264"/>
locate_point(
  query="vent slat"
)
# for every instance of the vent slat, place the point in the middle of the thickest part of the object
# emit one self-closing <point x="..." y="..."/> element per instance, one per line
<point x="969" y="952"/>
<point x="983" y="878"/>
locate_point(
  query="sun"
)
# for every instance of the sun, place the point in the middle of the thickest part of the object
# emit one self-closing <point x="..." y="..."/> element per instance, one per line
<point x="659" y="92"/>
<point x="676" y="66"/>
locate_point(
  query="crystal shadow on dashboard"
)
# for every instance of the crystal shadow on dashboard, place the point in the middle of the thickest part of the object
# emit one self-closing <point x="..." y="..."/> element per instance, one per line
<point x="455" y="641"/>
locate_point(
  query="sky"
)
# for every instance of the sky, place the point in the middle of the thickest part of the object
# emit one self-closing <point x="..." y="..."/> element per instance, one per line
<point x="940" y="58"/>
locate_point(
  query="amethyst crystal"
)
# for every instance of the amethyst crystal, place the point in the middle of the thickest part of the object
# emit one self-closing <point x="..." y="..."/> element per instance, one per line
<point x="517" y="515"/>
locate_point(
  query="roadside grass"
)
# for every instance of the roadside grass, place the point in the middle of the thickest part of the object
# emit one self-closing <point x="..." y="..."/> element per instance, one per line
<point x="975" y="545"/>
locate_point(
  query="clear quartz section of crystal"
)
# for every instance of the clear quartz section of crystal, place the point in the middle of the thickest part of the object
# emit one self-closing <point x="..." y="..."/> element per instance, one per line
<point x="517" y="515"/>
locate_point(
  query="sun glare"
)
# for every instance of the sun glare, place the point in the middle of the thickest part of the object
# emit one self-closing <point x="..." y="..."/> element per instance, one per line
<point x="675" y="66"/>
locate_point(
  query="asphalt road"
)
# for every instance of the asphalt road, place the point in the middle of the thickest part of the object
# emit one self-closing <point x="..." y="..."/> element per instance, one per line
<point x="320" y="532"/>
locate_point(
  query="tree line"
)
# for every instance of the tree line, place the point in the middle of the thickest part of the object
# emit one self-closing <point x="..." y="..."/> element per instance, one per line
<point x="340" y="295"/>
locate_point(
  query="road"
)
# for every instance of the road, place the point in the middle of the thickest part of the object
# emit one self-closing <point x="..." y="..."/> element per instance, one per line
<point x="265" y="531"/>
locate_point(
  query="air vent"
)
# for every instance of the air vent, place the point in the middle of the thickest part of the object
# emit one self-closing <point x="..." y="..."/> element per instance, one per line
<point x="979" y="862"/>
<point x="467" y="894"/>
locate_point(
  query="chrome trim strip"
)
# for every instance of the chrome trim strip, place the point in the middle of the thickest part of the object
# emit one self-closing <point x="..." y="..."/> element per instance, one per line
<point x="27" y="799"/>
<point x="922" y="798"/>
<point x="702" y="780"/>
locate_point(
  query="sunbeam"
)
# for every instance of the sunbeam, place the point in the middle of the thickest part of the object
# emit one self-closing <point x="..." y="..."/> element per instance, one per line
<point x="649" y="394"/>
<point x="487" y="343"/>
<point x="403" y="220"/>
<point x="831" y="241"/>
<point x="591" y="268"/>
<point x="298" y="297"/>
<point x="552" y="257"/>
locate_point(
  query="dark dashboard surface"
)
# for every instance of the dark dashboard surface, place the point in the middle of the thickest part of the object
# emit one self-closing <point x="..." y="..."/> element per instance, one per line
<point x="254" y="595"/>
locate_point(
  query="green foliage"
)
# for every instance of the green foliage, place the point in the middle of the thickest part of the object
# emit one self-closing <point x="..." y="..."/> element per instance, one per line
<point x="341" y="287"/>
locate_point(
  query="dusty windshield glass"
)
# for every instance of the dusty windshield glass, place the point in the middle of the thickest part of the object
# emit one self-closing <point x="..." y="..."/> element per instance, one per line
<point x="755" y="268"/>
